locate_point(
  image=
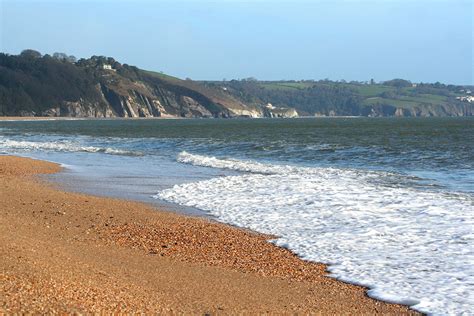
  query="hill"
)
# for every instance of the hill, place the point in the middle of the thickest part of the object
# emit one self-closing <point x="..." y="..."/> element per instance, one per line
<point x="60" y="85"/>
<point x="329" y="98"/>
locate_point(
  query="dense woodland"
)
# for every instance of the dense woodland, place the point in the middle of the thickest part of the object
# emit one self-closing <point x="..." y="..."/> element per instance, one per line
<point x="31" y="83"/>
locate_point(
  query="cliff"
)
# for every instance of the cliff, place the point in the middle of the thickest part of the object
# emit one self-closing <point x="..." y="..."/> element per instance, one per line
<point x="102" y="87"/>
<point x="396" y="97"/>
<point x="36" y="85"/>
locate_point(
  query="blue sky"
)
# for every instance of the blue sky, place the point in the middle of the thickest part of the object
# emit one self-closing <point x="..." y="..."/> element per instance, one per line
<point x="421" y="40"/>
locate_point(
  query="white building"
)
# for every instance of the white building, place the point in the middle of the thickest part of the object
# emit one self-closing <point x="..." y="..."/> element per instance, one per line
<point x="468" y="98"/>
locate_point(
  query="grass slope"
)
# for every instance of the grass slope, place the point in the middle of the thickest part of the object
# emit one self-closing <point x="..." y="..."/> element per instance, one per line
<point x="344" y="98"/>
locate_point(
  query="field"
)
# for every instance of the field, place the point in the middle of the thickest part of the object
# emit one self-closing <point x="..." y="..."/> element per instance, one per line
<point x="371" y="94"/>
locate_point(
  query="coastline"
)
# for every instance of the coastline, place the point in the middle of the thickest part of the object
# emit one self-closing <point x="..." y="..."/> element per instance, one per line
<point x="71" y="118"/>
<point x="71" y="252"/>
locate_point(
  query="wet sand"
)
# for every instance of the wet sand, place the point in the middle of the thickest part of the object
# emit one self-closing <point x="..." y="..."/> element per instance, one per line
<point x="69" y="252"/>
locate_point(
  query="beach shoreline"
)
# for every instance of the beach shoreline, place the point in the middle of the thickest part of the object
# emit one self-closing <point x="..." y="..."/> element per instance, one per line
<point x="72" y="118"/>
<point x="72" y="252"/>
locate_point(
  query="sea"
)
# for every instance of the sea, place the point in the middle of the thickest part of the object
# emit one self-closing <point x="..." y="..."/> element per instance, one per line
<point x="387" y="203"/>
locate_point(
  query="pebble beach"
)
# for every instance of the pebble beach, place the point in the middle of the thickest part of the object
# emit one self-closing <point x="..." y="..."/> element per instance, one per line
<point x="65" y="252"/>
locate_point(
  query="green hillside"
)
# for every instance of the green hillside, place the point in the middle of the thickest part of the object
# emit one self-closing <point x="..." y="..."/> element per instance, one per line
<point x="325" y="97"/>
<point x="35" y="85"/>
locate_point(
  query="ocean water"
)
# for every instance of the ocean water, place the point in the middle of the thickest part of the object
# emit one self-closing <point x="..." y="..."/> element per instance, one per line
<point x="387" y="203"/>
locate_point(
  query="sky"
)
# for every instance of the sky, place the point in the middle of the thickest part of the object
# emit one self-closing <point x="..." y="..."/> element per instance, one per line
<point x="418" y="40"/>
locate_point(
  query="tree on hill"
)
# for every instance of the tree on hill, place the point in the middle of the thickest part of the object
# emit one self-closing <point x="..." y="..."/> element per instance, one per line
<point x="398" y="83"/>
<point x="65" y="57"/>
<point x="30" y="53"/>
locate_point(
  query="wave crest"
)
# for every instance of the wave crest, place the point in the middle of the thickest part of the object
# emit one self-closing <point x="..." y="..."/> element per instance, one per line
<point x="237" y="165"/>
<point x="65" y="146"/>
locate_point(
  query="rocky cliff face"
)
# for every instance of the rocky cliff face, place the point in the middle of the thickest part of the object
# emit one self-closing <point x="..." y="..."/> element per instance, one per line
<point x="153" y="97"/>
<point x="279" y="112"/>
<point x="431" y="110"/>
<point x="148" y="95"/>
<point x="102" y="87"/>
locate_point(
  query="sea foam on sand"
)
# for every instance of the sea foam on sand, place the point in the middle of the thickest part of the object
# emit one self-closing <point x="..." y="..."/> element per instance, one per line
<point x="408" y="245"/>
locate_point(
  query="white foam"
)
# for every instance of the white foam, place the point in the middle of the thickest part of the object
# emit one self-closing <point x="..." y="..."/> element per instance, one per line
<point x="65" y="146"/>
<point x="409" y="246"/>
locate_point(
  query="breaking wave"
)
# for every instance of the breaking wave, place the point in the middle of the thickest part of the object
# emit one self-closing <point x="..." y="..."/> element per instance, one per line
<point x="63" y="146"/>
<point x="407" y="245"/>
